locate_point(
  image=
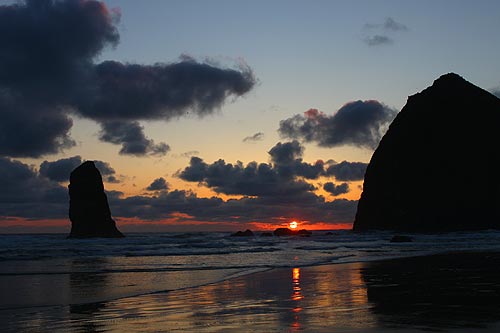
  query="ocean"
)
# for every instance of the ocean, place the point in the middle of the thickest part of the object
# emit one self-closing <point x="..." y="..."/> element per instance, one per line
<point x="155" y="262"/>
<point x="48" y="271"/>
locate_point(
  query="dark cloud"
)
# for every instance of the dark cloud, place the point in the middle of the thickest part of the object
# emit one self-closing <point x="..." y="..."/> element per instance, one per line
<point x="496" y="93"/>
<point x="256" y="137"/>
<point x="305" y="207"/>
<point x="47" y="73"/>
<point x="190" y="153"/>
<point x="132" y="138"/>
<point x="391" y="24"/>
<point x="60" y="170"/>
<point x="253" y="179"/>
<point x="268" y="195"/>
<point x="30" y="129"/>
<point x="286" y="153"/>
<point x="107" y="172"/>
<point x="104" y="168"/>
<point x="357" y="123"/>
<point x="48" y="46"/>
<point x="161" y="91"/>
<point x="159" y="184"/>
<point x="287" y="160"/>
<point x="378" y="33"/>
<point x="281" y="177"/>
<point x="47" y="49"/>
<point x="336" y="189"/>
<point x="29" y="194"/>
<point x="378" y="40"/>
<point x="347" y="171"/>
<point x="26" y="194"/>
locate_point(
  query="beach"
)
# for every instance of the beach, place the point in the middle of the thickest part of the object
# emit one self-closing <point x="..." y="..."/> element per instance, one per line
<point x="450" y="292"/>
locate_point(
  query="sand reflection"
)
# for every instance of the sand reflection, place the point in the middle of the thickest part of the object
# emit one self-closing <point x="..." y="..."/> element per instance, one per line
<point x="290" y="300"/>
<point x="296" y="296"/>
<point x="407" y="294"/>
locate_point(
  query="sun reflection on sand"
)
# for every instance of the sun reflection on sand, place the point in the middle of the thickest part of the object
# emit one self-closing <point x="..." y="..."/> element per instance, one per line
<point x="296" y="296"/>
<point x="311" y="299"/>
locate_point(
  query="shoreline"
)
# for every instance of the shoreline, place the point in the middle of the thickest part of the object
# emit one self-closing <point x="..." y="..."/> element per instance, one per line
<point x="225" y="275"/>
<point x="446" y="291"/>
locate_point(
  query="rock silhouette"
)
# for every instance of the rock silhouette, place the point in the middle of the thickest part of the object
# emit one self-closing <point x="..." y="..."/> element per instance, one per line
<point x="289" y="232"/>
<point x="437" y="167"/>
<point x="88" y="206"/>
<point x="246" y="233"/>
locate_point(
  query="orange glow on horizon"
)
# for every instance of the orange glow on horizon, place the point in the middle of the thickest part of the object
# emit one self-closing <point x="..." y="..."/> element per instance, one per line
<point x="177" y="221"/>
<point x="303" y="225"/>
<point x="293" y="225"/>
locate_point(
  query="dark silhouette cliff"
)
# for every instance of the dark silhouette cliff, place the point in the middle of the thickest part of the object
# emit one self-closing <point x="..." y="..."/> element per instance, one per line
<point x="88" y="206"/>
<point x="438" y="166"/>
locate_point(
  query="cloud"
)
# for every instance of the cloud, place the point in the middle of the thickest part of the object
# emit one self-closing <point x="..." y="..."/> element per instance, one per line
<point x="132" y="138"/>
<point x="378" y="33"/>
<point x="47" y="48"/>
<point x="286" y="153"/>
<point x="378" y="40"/>
<point x="39" y="94"/>
<point x="256" y="137"/>
<point x="60" y="170"/>
<point x="252" y="180"/>
<point x="336" y="189"/>
<point x="159" y="184"/>
<point x="190" y="153"/>
<point x="496" y="92"/>
<point x="160" y="91"/>
<point x="31" y="129"/>
<point x="287" y="159"/>
<point x="281" y="177"/>
<point x="391" y="24"/>
<point x="306" y="207"/>
<point x="107" y="172"/>
<point x="347" y="171"/>
<point x="359" y="123"/>
<point x="270" y="192"/>
<point x="26" y="194"/>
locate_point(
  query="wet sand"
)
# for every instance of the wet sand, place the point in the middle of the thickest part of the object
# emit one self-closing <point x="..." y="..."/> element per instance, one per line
<point x="457" y="292"/>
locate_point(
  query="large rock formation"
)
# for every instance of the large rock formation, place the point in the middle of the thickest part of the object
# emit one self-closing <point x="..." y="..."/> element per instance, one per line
<point x="88" y="206"/>
<point x="438" y="166"/>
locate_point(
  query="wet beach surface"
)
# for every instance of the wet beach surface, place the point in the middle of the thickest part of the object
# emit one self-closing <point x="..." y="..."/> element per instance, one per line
<point x="456" y="292"/>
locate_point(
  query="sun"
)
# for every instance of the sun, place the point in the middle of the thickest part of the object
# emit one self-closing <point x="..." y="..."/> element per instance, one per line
<point x="293" y="225"/>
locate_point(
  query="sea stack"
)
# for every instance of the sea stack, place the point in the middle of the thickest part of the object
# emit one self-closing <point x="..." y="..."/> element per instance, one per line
<point x="88" y="205"/>
<point x="437" y="168"/>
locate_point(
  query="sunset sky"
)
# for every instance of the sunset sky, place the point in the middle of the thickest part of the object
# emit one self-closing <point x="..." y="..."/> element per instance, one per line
<point x="218" y="115"/>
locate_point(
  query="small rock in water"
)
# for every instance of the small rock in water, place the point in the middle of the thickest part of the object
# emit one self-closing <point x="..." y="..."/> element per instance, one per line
<point x="289" y="232"/>
<point x="246" y="233"/>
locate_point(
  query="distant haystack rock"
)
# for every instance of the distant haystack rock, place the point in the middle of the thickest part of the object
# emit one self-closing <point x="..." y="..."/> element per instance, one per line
<point x="88" y="206"/>
<point x="438" y="166"/>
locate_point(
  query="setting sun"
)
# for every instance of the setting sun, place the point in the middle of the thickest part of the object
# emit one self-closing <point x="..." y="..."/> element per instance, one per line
<point x="293" y="225"/>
